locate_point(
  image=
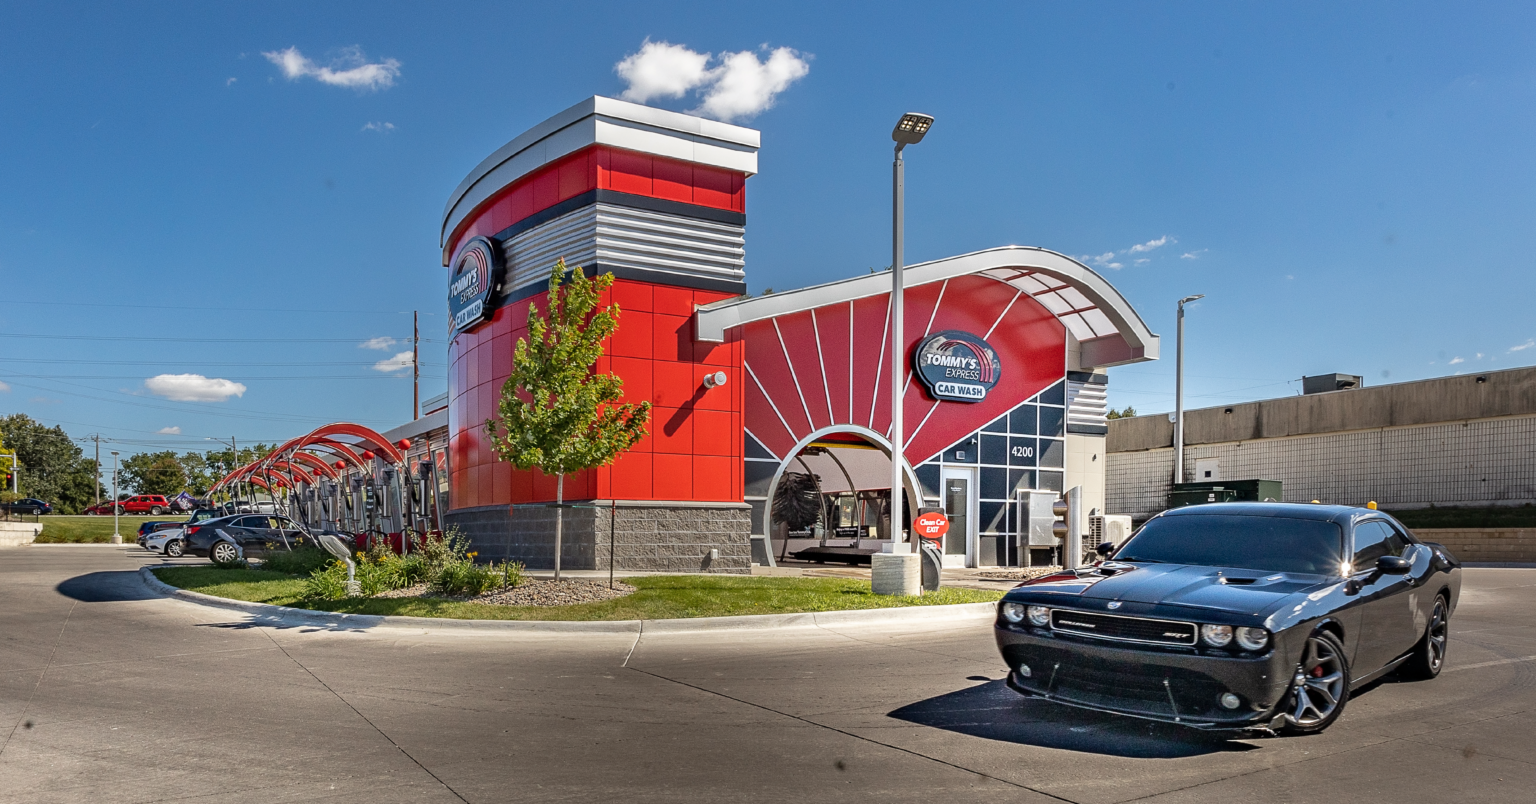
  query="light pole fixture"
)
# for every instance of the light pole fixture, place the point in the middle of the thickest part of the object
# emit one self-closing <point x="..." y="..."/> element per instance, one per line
<point x="1178" y="395"/>
<point x="117" y="538"/>
<point x="910" y="130"/>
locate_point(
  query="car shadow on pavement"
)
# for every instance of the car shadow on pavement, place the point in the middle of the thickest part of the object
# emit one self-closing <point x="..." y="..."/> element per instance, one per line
<point x="106" y="587"/>
<point x="994" y="712"/>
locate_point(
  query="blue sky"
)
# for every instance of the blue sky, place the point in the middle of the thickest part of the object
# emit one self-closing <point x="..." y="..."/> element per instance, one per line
<point x="1352" y="185"/>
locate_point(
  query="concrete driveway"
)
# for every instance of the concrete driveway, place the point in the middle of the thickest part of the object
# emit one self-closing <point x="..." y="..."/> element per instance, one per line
<point x="109" y="693"/>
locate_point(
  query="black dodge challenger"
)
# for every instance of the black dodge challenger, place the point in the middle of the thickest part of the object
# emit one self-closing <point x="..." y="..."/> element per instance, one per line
<point x="1242" y="616"/>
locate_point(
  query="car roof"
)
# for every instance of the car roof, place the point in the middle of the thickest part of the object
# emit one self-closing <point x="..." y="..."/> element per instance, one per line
<point x="1341" y="514"/>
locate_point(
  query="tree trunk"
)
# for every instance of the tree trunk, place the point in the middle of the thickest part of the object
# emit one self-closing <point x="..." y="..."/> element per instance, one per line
<point x="559" y="519"/>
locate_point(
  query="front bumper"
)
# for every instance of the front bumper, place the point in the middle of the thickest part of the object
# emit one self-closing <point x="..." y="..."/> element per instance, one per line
<point x="1173" y="685"/>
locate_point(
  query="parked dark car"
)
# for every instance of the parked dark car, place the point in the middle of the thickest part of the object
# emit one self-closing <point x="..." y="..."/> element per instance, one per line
<point x="27" y="505"/>
<point x="1235" y="616"/>
<point x="230" y="537"/>
<point x="148" y="529"/>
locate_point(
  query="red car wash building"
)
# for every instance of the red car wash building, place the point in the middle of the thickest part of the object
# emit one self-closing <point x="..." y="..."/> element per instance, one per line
<point x="1004" y="389"/>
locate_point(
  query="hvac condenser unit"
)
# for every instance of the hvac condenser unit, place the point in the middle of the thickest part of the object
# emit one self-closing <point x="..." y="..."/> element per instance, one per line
<point x="1112" y="528"/>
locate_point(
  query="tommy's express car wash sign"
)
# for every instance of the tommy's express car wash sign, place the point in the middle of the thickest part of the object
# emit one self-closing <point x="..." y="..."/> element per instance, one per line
<point x="476" y="276"/>
<point x="957" y="366"/>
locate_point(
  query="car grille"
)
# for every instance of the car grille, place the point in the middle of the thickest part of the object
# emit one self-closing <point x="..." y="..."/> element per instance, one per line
<point x="1126" y="629"/>
<point x="1120" y="685"/>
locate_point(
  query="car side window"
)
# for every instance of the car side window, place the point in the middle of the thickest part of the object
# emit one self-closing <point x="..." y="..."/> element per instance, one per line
<point x="1371" y="543"/>
<point x="250" y="522"/>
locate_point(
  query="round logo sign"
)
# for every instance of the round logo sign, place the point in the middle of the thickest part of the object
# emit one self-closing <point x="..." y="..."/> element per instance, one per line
<point x="932" y="525"/>
<point x="958" y="366"/>
<point x="476" y="275"/>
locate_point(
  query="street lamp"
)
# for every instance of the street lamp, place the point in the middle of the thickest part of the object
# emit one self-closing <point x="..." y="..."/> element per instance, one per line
<point x="117" y="538"/>
<point x="1178" y="396"/>
<point x="909" y="130"/>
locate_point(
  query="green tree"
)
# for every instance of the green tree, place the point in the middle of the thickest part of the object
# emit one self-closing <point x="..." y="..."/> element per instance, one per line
<point x="53" y="467"/>
<point x="1121" y="414"/>
<point x="154" y="473"/>
<point x="556" y="412"/>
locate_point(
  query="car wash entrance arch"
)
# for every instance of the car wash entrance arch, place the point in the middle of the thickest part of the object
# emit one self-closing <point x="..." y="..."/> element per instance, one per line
<point x="1004" y="378"/>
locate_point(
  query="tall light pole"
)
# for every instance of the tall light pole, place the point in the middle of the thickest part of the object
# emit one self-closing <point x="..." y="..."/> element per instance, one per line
<point x="909" y="131"/>
<point x="1178" y="395"/>
<point x="117" y="538"/>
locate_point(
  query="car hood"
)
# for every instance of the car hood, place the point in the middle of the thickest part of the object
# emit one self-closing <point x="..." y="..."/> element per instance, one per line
<point x="1212" y="588"/>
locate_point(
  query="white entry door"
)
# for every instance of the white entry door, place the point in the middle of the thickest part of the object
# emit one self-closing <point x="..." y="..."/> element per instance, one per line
<point x="961" y="505"/>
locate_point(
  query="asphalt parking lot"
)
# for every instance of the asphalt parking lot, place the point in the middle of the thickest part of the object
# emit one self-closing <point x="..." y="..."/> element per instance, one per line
<point x="111" y="693"/>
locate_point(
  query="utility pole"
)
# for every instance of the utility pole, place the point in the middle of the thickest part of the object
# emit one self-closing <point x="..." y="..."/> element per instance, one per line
<point x="1178" y="395"/>
<point x="117" y="537"/>
<point x="415" y="366"/>
<point x="97" y="438"/>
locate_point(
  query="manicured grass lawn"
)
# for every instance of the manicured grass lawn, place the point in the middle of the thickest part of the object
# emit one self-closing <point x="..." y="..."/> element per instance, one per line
<point x="58" y="529"/>
<point x="661" y="597"/>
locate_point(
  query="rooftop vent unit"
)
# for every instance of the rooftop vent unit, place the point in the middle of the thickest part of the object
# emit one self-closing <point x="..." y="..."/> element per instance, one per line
<point x="1323" y="383"/>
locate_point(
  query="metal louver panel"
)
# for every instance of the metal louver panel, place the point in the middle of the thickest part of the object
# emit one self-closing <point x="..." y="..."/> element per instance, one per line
<point x="625" y="237"/>
<point x="1087" y="406"/>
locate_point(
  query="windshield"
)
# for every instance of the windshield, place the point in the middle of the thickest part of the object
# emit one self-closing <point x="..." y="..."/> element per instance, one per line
<point x="1265" y="543"/>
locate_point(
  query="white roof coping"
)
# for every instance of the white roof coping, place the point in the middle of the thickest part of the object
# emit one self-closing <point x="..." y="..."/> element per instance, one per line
<point x="1087" y="304"/>
<point x="602" y="121"/>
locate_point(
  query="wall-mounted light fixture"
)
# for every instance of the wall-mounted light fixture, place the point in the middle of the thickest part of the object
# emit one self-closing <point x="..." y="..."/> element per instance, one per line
<point x="714" y="380"/>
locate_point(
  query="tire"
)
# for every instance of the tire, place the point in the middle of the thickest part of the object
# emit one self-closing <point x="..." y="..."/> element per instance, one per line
<point x="1320" y="687"/>
<point x="154" y="510"/>
<point x="1428" y="656"/>
<point x="174" y="549"/>
<point x="223" y="552"/>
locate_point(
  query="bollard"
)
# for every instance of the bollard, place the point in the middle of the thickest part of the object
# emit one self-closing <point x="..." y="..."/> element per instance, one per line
<point x="896" y="573"/>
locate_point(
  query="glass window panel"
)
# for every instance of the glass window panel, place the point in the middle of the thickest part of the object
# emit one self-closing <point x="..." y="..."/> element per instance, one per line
<point x="1053" y="422"/>
<point x="994" y="450"/>
<point x="1054" y="302"/>
<point x="963" y="452"/>
<point x="994" y="483"/>
<point x="759" y="474"/>
<point x="1075" y="297"/>
<point x="1023" y="451"/>
<point x="999" y="426"/>
<point x="928" y="476"/>
<point x="1054" y="395"/>
<point x="994" y="517"/>
<point x="1053" y="453"/>
<point x="1052" y="481"/>
<point x="1022" y="421"/>
<point x="1020" y="480"/>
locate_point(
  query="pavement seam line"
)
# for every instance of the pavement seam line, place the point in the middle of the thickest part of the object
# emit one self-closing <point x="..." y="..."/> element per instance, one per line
<point x="631" y="653"/>
<point x="40" y="676"/>
<point x="846" y="733"/>
<point x="364" y="717"/>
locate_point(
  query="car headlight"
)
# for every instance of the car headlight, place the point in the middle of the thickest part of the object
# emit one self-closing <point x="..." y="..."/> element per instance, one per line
<point x="1252" y="638"/>
<point x="1040" y="616"/>
<point x="1217" y="636"/>
<point x="1013" y="612"/>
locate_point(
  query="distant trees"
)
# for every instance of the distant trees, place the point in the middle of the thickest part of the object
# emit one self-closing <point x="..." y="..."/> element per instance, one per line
<point x="53" y="467"/>
<point x="1121" y="414"/>
<point x="154" y="473"/>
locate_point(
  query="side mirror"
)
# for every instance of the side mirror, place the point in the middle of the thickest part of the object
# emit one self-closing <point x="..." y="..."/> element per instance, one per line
<point x="1105" y="549"/>
<point x="1393" y="565"/>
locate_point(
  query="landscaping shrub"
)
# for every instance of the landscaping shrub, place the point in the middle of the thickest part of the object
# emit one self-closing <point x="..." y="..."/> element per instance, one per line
<point x="440" y="561"/>
<point x="463" y="578"/>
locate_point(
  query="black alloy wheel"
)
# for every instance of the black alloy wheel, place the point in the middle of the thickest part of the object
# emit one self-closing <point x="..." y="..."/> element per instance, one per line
<point x="224" y="552"/>
<point x="173" y="548"/>
<point x="1320" y="687"/>
<point x="1429" y="655"/>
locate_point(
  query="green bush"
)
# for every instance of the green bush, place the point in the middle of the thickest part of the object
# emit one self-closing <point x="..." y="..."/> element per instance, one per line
<point x="329" y="583"/>
<point x="301" y="561"/>
<point x="440" y="561"/>
<point x="463" y="578"/>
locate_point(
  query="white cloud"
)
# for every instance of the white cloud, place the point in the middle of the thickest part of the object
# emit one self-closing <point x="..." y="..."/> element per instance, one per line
<point x="169" y="431"/>
<point x="1193" y="255"/>
<point x="1479" y="355"/>
<point x="662" y="70"/>
<point x="380" y="343"/>
<point x="193" y="388"/>
<point x="1522" y="347"/>
<point x="351" y="69"/>
<point x="1454" y="361"/>
<point x="230" y="80"/>
<point x="396" y="363"/>
<point x="745" y="86"/>
<point x="1140" y="261"/>
<point x="378" y="127"/>
<point x="1141" y="248"/>
<point x="739" y="85"/>
<point x="4" y="389"/>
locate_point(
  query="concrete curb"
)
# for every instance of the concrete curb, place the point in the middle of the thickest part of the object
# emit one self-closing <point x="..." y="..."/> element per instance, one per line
<point x="283" y="615"/>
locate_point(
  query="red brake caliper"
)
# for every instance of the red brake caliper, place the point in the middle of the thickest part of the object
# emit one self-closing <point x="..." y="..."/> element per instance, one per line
<point x="1317" y="672"/>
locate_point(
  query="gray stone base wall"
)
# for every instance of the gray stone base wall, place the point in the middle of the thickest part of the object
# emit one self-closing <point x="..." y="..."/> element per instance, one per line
<point x="647" y="536"/>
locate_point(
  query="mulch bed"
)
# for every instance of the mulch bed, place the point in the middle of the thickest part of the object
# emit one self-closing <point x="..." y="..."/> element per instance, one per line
<point x="1023" y="574"/>
<point x="531" y="592"/>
